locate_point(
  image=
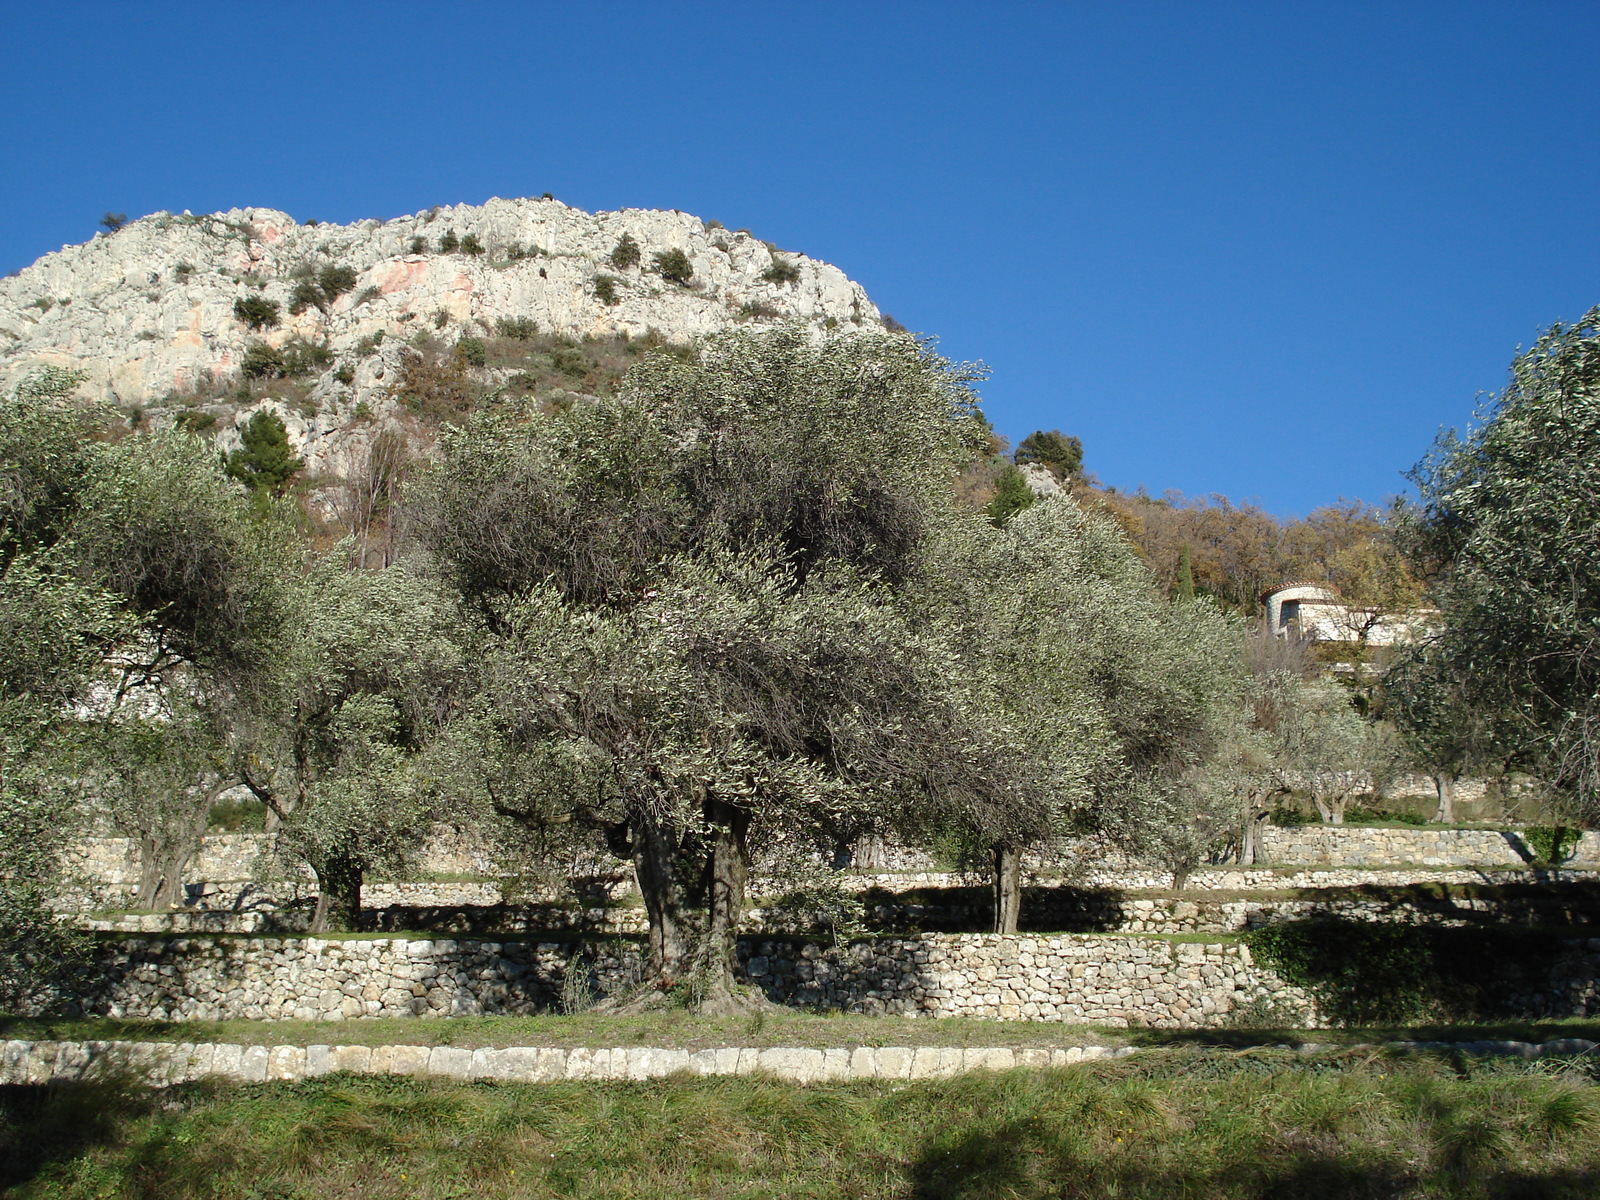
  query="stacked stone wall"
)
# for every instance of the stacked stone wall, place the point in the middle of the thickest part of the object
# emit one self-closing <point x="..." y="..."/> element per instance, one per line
<point x="1553" y="900"/>
<point x="1110" y="981"/>
<point x="1103" y="980"/>
<point x="1364" y="846"/>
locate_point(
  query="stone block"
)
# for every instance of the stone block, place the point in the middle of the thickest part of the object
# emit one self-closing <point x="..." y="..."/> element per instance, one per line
<point x="925" y="1063"/>
<point x="990" y="1058"/>
<point x="749" y="1061"/>
<point x="227" y="1060"/>
<point x="645" y="1062"/>
<point x="14" y="1062"/>
<point x="580" y="1062"/>
<point x="408" y="1060"/>
<point x="318" y="1060"/>
<point x="253" y="1064"/>
<point x="795" y="1064"/>
<point x="286" y="1062"/>
<point x="354" y="1060"/>
<point x="835" y="1065"/>
<point x="864" y="1062"/>
<point x="451" y="1062"/>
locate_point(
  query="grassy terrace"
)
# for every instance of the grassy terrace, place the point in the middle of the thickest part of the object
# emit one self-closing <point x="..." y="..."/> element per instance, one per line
<point x="776" y="1027"/>
<point x="1174" y="1123"/>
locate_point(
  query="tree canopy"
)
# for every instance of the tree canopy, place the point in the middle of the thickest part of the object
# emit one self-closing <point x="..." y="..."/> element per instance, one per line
<point x="1505" y="526"/>
<point x="700" y="588"/>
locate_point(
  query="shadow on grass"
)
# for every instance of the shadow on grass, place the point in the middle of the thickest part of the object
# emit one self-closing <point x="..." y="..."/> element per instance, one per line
<point x="1018" y="1159"/>
<point x="45" y="1124"/>
<point x="1021" y="1159"/>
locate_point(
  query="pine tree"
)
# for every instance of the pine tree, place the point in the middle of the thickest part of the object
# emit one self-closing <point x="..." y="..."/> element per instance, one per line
<point x="264" y="463"/>
<point x="1055" y="450"/>
<point x="1012" y="495"/>
<point x="1185" y="588"/>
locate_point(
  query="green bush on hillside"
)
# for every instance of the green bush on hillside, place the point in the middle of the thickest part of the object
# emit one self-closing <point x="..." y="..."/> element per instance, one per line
<point x="674" y="266"/>
<point x="521" y="329"/>
<point x="335" y="281"/>
<point x="261" y="361"/>
<point x="472" y="351"/>
<point x="783" y="270"/>
<point x="256" y="312"/>
<point x="626" y="253"/>
<point x="264" y="462"/>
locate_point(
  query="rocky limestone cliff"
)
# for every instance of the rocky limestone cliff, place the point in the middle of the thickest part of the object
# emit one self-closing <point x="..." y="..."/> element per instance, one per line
<point x="148" y="312"/>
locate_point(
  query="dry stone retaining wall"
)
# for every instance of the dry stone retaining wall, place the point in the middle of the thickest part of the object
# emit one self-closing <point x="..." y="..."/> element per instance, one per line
<point x="110" y="865"/>
<point x="482" y="909"/>
<point x="1104" y="980"/>
<point x="1360" y="846"/>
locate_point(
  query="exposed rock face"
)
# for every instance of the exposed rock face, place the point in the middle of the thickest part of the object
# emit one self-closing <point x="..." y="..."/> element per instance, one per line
<point x="148" y="312"/>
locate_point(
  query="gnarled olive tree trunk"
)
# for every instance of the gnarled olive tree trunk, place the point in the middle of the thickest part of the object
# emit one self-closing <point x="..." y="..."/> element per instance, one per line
<point x="338" y="907"/>
<point x="693" y="886"/>
<point x="1006" y="884"/>
<point x="165" y="854"/>
<point x="1445" y="784"/>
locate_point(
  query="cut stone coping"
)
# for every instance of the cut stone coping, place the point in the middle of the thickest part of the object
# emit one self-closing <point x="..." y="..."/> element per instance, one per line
<point x="161" y="1064"/>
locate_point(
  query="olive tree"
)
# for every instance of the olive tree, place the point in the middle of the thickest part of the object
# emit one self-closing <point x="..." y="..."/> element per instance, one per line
<point x="366" y="682"/>
<point x="1325" y="748"/>
<point x="55" y="630"/>
<point x="207" y="575"/>
<point x="701" y="591"/>
<point x="155" y="770"/>
<point x="1503" y="531"/>
<point x="1112" y="696"/>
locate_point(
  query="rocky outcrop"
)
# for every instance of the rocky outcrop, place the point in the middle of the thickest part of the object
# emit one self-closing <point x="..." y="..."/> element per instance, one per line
<point x="148" y="312"/>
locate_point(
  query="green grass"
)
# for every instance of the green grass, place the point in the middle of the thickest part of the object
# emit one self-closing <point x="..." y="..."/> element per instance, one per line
<point x="1178" y="1124"/>
<point x="777" y="1027"/>
<point x="673" y="1029"/>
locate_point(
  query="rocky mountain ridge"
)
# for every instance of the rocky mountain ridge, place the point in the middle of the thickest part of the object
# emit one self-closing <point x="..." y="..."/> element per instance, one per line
<point x="203" y="320"/>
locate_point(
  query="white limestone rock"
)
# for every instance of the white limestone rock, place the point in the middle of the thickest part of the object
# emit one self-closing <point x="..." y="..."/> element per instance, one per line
<point x="148" y="310"/>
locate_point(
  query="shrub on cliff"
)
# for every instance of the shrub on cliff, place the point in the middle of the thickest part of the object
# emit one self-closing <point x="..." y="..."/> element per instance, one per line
<point x="1061" y="454"/>
<point x="626" y="253"/>
<point x="520" y="329"/>
<point x="783" y="270"/>
<point x="256" y="312"/>
<point x="261" y="361"/>
<point x="674" y="266"/>
<point x="335" y="281"/>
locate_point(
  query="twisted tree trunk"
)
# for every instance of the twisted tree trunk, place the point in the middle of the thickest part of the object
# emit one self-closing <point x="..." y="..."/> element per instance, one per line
<point x="1006" y="884"/>
<point x="1444" y="784"/>
<point x="338" y="907"/>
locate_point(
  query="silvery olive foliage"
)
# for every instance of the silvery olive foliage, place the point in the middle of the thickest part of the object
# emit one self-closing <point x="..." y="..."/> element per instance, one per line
<point x="697" y="604"/>
<point x="366" y="675"/>
<point x="1108" y="697"/>
<point x="1504" y="528"/>
<point x="54" y="631"/>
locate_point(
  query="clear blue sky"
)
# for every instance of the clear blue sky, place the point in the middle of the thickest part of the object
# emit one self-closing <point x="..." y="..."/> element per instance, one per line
<point x="1263" y="249"/>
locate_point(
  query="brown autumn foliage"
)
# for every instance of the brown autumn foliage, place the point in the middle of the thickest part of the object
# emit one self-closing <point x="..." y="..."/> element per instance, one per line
<point x="1237" y="551"/>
